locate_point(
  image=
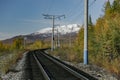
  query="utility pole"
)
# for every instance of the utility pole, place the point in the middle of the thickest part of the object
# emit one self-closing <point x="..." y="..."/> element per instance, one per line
<point x="53" y="38"/>
<point x="58" y="39"/>
<point x="70" y="37"/>
<point x="53" y="17"/>
<point x="58" y="34"/>
<point x="25" y="38"/>
<point x="86" y="32"/>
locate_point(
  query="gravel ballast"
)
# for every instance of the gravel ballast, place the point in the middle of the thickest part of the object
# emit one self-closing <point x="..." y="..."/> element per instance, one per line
<point x="16" y="72"/>
<point x="98" y="72"/>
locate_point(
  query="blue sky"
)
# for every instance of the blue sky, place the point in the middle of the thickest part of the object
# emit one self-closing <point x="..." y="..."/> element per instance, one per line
<point x="20" y="17"/>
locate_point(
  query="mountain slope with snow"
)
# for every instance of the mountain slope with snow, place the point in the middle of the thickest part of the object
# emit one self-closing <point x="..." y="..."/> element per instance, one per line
<point x="61" y="29"/>
<point x="45" y="34"/>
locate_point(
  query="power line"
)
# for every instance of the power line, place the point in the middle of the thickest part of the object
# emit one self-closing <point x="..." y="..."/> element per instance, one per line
<point x="71" y="12"/>
<point x="91" y="7"/>
<point x="92" y="3"/>
<point x="51" y="5"/>
<point x="53" y="17"/>
<point x="82" y="10"/>
<point x="78" y="16"/>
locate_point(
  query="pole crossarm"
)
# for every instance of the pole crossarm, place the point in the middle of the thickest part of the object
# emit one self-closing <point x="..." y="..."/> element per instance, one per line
<point x="47" y="16"/>
<point x="53" y="17"/>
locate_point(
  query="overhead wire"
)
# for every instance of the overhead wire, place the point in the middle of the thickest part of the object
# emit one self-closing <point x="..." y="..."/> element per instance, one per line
<point x="75" y="14"/>
<point x="80" y="15"/>
<point x="92" y="3"/>
<point x="50" y="6"/>
<point x="77" y="17"/>
<point x="71" y="12"/>
<point x="91" y="7"/>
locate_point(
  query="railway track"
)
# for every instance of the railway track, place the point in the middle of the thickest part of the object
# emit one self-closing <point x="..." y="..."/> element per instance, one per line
<point x="41" y="66"/>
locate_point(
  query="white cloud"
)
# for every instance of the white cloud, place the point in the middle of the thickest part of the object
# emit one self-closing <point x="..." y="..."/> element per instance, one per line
<point x="5" y="35"/>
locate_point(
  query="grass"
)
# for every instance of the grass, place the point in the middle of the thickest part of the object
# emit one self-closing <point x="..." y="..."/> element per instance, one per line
<point x="66" y="54"/>
<point x="8" y="60"/>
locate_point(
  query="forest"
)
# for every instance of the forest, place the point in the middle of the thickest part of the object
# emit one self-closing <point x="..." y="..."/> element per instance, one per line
<point x="104" y="38"/>
<point x="103" y="41"/>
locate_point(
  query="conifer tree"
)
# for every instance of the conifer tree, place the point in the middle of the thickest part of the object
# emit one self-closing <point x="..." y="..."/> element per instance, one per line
<point x="90" y="21"/>
<point x="107" y="9"/>
<point x="116" y="6"/>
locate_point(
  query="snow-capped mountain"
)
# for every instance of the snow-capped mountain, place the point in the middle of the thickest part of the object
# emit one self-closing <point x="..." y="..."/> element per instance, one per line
<point x="61" y="29"/>
<point x="45" y="34"/>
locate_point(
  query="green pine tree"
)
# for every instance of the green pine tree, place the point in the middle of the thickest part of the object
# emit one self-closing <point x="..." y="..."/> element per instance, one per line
<point x="90" y="21"/>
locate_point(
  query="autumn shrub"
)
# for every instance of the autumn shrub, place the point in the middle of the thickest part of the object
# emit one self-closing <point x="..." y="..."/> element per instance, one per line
<point x="9" y="60"/>
<point x="9" y="54"/>
<point x="36" y="45"/>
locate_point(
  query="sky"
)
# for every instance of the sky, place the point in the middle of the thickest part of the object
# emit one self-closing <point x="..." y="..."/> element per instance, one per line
<point x="21" y="17"/>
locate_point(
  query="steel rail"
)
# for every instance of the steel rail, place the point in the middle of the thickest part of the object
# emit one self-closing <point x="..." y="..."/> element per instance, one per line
<point x="67" y="68"/>
<point x="41" y="68"/>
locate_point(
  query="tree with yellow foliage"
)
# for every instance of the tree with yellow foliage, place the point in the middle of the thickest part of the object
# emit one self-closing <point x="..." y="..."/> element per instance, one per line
<point x="37" y="45"/>
<point x="18" y="43"/>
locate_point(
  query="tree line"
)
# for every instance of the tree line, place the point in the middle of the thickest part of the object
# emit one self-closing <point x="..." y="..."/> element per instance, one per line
<point x="103" y="38"/>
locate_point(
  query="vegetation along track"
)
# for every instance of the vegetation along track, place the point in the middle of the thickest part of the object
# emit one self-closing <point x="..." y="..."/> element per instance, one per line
<point x="41" y="66"/>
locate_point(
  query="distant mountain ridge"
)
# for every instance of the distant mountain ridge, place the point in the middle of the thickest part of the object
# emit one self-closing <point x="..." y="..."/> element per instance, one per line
<point x="61" y="29"/>
<point x="46" y="33"/>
